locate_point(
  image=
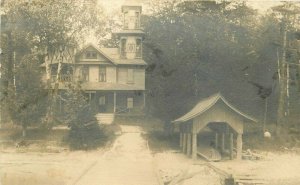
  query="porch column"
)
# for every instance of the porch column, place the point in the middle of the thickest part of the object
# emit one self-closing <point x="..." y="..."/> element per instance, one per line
<point x="115" y="101"/>
<point x="223" y="142"/>
<point x="194" y="148"/>
<point x="180" y="140"/>
<point x="239" y="146"/>
<point x="216" y="141"/>
<point x="189" y="144"/>
<point x="184" y="143"/>
<point x="231" y="145"/>
<point x="144" y="96"/>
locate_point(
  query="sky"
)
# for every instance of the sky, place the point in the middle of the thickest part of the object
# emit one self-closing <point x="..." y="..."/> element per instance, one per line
<point x="261" y="5"/>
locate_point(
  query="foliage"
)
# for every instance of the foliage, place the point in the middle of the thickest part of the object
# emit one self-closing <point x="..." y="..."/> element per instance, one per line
<point x="195" y="49"/>
<point x="39" y="28"/>
<point x="85" y="132"/>
<point x="26" y="103"/>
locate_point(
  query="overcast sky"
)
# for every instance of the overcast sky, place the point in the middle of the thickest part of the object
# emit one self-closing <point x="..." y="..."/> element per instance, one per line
<point x="261" y="5"/>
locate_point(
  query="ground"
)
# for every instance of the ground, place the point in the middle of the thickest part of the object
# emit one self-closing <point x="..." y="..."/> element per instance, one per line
<point x="130" y="162"/>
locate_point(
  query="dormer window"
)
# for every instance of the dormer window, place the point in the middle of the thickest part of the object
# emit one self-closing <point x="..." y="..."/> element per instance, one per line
<point x="91" y="55"/>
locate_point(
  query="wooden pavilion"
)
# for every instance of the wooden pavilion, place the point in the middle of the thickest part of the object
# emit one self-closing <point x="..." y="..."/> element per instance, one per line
<point x="226" y="121"/>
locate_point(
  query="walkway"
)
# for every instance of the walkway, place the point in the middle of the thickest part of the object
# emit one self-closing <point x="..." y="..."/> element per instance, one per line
<point x="129" y="162"/>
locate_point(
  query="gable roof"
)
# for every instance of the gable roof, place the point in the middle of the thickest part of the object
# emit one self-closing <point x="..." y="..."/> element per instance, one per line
<point x="206" y="104"/>
<point x="98" y="49"/>
<point x="112" y="54"/>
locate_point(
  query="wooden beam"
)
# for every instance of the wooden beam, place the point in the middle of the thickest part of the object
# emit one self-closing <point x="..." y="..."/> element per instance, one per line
<point x="115" y="101"/>
<point x="239" y="146"/>
<point x="231" y="145"/>
<point x="181" y="139"/>
<point x="184" y="143"/>
<point x="216" y="141"/>
<point x="194" y="148"/>
<point x="189" y="144"/>
<point x="223" y="142"/>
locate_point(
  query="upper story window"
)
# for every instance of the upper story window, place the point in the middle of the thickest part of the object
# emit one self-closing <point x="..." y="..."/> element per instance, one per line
<point x="123" y="48"/>
<point x="137" y="20"/>
<point x="91" y="55"/>
<point x="131" y="20"/>
<point x="102" y="74"/>
<point x="126" y="20"/>
<point x="130" y="76"/>
<point x="84" y="74"/>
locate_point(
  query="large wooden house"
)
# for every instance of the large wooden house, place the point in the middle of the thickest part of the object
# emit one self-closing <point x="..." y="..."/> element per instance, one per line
<point x="113" y="79"/>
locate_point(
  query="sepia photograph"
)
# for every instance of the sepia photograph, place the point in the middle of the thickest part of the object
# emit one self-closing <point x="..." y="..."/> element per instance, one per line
<point x="150" y="92"/>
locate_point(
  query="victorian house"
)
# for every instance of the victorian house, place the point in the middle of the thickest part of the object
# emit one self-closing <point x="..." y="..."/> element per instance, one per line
<point x="113" y="79"/>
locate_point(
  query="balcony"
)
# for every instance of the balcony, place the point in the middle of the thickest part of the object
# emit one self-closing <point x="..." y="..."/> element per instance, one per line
<point x="62" y="78"/>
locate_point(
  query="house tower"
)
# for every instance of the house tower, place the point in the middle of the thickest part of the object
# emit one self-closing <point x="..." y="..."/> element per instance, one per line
<point x="131" y="35"/>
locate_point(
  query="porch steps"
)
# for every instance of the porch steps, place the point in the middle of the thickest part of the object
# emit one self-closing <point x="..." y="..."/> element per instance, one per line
<point x="105" y="118"/>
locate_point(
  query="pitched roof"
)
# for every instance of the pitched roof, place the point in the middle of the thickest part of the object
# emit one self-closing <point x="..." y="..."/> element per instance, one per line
<point x="99" y="50"/>
<point x="114" y="54"/>
<point x="206" y="104"/>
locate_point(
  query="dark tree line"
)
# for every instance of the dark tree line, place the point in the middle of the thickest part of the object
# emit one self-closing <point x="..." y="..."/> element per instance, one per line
<point x="195" y="49"/>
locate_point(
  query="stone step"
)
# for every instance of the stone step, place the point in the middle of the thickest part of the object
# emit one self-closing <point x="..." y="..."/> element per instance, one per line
<point x="105" y="118"/>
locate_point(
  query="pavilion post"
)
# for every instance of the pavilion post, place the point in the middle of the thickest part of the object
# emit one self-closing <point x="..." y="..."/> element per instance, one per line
<point x="194" y="148"/>
<point x="231" y="145"/>
<point x="216" y="141"/>
<point x="115" y="101"/>
<point x="184" y="143"/>
<point x="180" y="139"/>
<point x="223" y="142"/>
<point x="189" y="144"/>
<point x="239" y="146"/>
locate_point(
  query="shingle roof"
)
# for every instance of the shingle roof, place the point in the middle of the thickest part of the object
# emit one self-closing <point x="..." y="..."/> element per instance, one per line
<point x="206" y="104"/>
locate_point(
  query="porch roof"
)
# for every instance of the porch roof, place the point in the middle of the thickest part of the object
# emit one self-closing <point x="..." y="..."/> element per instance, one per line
<point x="106" y="86"/>
<point x="208" y="103"/>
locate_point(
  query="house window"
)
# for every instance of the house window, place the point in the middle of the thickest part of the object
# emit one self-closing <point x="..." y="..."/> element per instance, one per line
<point x="137" y="20"/>
<point x="126" y="21"/>
<point x="91" y="55"/>
<point x="102" y="100"/>
<point x="130" y="47"/>
<point x="129" y="102"/>
<point x="123" y="48"/>
<point x="84" y="76"/>
<point x="130" y="76"/>
<point x="138" y="48"/>
<point x="102" y="74"/>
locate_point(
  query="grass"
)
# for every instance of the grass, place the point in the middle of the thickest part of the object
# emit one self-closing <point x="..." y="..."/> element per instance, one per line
<point x="49" y="141"/>
<point x="160" y="141"/>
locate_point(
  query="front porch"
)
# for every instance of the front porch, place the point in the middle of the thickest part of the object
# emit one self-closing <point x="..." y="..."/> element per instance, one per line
<point x="117" y="102"/>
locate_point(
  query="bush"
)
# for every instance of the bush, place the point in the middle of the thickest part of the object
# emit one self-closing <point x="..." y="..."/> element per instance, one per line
<point x="87" y="136"/>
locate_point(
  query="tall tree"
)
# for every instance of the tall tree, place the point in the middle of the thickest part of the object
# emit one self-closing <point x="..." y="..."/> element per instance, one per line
<point x="42" y="28"/>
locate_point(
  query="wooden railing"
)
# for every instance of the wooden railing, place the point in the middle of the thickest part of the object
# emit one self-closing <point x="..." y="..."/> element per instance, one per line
<point x="62" y="78"/>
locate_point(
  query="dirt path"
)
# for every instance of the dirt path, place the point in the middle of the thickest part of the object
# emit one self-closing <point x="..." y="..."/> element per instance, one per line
<point x="129" y="162"/>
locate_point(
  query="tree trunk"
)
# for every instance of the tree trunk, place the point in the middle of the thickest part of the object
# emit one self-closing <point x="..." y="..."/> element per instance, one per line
<point x="281" y="111"/>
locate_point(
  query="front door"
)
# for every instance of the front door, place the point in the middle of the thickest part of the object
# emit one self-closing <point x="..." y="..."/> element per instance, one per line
<point x="102" y="103"/>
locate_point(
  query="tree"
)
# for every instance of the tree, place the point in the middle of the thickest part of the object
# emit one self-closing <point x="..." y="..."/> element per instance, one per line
<point x="41" y="28"/>
<point x="85" y="132"/>
<point x="287" y="22"/>
<point x="27" y="103"/>
<point x="197" y="48"/>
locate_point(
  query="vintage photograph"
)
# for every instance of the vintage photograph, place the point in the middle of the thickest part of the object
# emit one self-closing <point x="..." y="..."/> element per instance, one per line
<point x="150" y="92"/>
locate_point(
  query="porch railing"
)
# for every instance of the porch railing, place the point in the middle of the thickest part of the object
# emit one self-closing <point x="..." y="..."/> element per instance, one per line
<point x="62" y="78"/>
